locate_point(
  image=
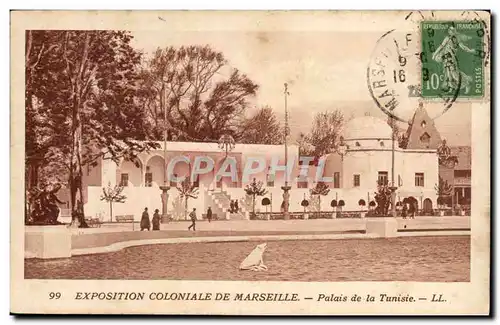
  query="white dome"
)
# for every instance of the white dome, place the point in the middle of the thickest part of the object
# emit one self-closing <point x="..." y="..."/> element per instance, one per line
<point x="366" y="127"/>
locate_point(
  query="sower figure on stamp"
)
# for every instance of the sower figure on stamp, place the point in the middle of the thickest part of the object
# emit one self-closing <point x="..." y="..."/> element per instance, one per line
<point x="446" y="53"/>
<point x="145" y="224"/>
<point x="192" y="215"/>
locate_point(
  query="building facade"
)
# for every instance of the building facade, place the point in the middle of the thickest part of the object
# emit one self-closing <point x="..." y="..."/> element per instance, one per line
<point x="351" y="176"/>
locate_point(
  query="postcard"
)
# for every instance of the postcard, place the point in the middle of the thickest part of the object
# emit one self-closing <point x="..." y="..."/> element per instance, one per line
<point x="250" y="162"/>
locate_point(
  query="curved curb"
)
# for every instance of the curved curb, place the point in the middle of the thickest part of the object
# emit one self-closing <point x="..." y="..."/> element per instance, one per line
<point x="141" y="242"/>
<point x="131" y="243"/>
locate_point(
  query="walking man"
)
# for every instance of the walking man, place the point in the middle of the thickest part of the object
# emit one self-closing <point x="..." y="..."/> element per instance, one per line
<point x="192" y="215"/>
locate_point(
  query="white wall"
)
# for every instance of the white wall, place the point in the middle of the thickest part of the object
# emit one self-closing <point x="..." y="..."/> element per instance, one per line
<point x="137" y="199"/>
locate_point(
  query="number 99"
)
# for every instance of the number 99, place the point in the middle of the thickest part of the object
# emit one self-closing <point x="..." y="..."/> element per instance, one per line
<point x="54" y="295"/>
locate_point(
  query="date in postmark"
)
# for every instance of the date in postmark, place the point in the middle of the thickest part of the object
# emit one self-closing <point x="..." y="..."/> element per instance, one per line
<point x="452" y="58"/>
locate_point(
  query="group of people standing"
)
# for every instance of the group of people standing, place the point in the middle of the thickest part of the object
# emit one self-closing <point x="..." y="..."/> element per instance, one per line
<point x="233" y="206"/>
<point x="145" y="222"/>
<point x="408" y="210"/>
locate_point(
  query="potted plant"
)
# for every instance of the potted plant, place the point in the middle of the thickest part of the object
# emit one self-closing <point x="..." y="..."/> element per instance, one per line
<point x="321" y="189"/>
<point x="333" y="204"/>
<point x="362" y="204"/>
<point x="305" y="204"/>
<point x="371" y="208"/>
<point x="340" y="206"/>
<point x="266" y="202"/>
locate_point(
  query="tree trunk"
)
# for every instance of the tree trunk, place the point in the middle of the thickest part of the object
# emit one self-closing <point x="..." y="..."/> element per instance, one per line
<point x="185" y="208"/>
<point x="76" y="173"/>
<point x="319" y="202"/>
<point x="253" y="204"/>
<point x="111" y="211"/>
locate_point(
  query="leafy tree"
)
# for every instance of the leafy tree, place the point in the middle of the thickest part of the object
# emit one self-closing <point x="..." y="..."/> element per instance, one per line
<point x="111" y="195"/>
<point x="321" y="189"/>
<point x="324" y="136"/>
<point x="84" y="86"/>
<point x="262" y="127"/>
<point x="383" y="198"/>
<point x="189" y="87"/>
<point x="187" y="190"/>
<point x="255" y="189"/>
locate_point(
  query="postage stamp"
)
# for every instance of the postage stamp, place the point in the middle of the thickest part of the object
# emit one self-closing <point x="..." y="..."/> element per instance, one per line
<point x="250" y="163"/>
<point x="452" y="58"/>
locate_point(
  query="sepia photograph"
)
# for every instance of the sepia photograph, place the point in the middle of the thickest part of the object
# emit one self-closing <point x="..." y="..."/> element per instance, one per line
<point x="265" y="153"/>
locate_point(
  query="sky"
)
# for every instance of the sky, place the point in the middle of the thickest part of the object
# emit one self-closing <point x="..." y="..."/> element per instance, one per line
<point x="325" y="70"/>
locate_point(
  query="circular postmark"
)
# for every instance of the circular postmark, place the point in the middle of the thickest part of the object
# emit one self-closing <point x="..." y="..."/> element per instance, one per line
<point x="394" y="77"/>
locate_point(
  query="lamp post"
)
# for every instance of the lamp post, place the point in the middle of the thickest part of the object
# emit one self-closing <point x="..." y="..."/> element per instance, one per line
<point x="165" y="187"/>
<point x="286" y="188"/>
<point x="342" y="151"/>
<point x="454" y="164"/>
<point x="393" y="187"/>
<point x="227" y="143"/>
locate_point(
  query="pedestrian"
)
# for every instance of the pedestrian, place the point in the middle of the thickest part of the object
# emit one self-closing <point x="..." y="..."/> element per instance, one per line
<point x="209" y="214"/>
<point x="192" y="215"/>
<point x="414" y="210"/>
<point x="236" y="208"/>
<point x="156" y="220"/>
<point x="411" y="210"/>
<point x="405" y="210"/>
<point x="231" y="206"/>
<point x="145" y="224"/>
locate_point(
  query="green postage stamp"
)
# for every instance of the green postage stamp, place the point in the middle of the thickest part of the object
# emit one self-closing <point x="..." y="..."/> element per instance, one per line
<point x="452" y="59"/>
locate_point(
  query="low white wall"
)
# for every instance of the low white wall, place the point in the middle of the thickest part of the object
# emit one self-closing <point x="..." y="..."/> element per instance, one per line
<point x="139" y="198"/>
<point x="47" y="242"/>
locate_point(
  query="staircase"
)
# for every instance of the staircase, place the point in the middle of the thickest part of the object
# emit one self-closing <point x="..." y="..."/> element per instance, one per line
<point x="223" y="202"/>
